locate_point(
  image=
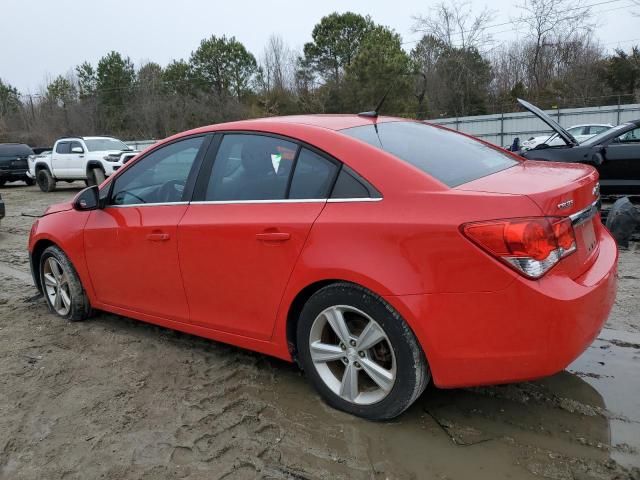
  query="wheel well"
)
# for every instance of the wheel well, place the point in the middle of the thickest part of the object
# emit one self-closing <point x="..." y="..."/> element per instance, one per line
<point x="41" y="166"/>
<point x="92" y="165"/>
<point x="296" y="309"/>
<point x="38" y="249"/>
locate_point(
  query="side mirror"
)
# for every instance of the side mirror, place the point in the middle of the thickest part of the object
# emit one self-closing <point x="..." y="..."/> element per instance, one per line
<point x="87" y="199"/>
<point x="597" y="158"/>
<point x="77" y="150"/>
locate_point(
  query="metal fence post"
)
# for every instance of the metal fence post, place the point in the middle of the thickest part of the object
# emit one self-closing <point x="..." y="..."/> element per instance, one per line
<point x="502" y="129"/>
<point x="618" y="121"/>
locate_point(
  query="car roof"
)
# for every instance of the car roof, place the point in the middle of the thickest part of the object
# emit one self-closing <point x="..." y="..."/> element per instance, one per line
<point x="95" y="137"/>
<point x="328" y="121"/>
<point x="592" y="125"/>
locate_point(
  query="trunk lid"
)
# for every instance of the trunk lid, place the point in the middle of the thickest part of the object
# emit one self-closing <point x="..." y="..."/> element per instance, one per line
<point x="564" y="134"/>
<point x="559" y="190"/>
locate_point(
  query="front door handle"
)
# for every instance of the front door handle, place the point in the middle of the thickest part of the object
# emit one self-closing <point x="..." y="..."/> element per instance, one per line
<point x="158" y="237"/>
<point x="273" y="236"/>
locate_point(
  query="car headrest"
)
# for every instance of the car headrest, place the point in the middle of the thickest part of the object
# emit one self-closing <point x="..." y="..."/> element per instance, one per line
<point x="255" y="160"/>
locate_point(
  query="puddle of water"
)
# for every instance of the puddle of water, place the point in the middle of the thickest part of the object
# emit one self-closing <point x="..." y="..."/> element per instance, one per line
<point x="612" y="367"/>
<point x="559" y="427"/>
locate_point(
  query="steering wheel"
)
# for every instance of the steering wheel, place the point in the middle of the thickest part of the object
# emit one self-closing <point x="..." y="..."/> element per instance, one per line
<point x="171" y="191"/>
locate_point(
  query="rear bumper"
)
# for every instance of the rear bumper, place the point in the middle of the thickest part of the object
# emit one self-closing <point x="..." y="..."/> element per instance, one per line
<point x="529" y="330"/>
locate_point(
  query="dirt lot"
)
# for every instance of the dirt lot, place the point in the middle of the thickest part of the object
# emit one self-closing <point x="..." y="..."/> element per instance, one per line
<point x="116" y="398"/>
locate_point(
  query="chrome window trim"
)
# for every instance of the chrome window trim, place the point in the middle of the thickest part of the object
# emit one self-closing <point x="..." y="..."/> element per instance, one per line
<point x="242" y="202"/>
<point x="159" y="204"/>
<point x="584" y="214"/>
<point x="363" y="199"/>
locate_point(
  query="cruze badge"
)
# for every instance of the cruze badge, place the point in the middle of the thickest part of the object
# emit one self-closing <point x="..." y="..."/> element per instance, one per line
<point x="563" y="205"/>
<point x="596" y="190"/>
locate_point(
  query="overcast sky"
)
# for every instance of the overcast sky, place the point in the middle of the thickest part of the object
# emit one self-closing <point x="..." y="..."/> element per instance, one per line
<point x="41" y="39"/>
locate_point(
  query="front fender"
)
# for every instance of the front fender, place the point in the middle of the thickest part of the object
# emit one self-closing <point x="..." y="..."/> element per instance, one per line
<point x="65" y="230"/>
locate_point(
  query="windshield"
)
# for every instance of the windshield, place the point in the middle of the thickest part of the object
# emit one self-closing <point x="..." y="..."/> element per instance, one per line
<point x="104" y="144"/>
<point x="598" y="138"/>
<point x="452" y="158"/>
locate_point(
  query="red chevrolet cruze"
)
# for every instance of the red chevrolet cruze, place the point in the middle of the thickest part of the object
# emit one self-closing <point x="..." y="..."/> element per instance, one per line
<point x="378" y="253"/>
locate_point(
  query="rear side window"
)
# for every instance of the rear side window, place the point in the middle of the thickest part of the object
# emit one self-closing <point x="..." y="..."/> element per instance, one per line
<point x="313" y="176"/>
<point x="251" y="167"/>
<point x="449" y="157"/>
<point x="349" y="185"/>
<point x="63" y="147"/>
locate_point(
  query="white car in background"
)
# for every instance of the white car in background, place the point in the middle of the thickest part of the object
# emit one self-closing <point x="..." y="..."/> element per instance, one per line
<point x="579" y="132"/>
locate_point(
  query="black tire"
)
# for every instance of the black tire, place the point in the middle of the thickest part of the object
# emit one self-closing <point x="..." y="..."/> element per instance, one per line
<point x="46" y="181"/>
<point x="2" y="182"/>
<point x="29" y="181"/>
<point x="80" y="309"/>
<point x="412" y="371"/>
<point x="96" y="176"/>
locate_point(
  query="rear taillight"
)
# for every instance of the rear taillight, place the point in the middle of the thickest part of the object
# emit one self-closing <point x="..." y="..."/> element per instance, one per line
<point x="531" y="246"/>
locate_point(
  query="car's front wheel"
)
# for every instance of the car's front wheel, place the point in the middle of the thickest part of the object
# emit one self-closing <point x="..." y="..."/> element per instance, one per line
<point x="62" y="287"/>
<point x="359" y="353"/>
<point x="46" y="181"/>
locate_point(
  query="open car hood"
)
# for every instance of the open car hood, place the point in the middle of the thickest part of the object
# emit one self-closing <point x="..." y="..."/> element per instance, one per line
<point x="566" y="136"/>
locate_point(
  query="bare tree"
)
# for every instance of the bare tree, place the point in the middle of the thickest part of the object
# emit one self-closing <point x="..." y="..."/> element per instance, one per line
<point x="550" y="23"/>
<point x="455" y="25"/>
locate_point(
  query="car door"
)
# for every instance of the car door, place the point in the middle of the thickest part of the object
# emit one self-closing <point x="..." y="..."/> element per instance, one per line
<point x="240" y="238"/>
<point x="131" y="244"/>
<point x="621" y="167"/>
<point x="60" y="159"/>
<point x="75" y="160"/>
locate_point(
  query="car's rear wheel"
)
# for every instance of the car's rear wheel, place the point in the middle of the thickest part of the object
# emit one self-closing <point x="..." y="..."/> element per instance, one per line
<point x="62" y="287"/>
<point x="29" y="181"/>
<point x="45" y="181"/>
<point x="359" y="353"/>
<point x="2" y="182"/>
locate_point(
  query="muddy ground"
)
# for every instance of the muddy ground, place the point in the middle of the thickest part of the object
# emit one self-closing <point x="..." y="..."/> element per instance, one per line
<point x="115" y="398"/>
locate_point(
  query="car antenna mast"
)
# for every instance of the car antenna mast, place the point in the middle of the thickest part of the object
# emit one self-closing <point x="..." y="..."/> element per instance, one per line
<point x="374" y="113"/>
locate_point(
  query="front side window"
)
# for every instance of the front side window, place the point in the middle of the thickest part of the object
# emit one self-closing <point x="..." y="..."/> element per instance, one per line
<point x="75" y="145"/>
<point x="631" y="137"/>
<point x="159" y="177"/>
<point x="449" y="157"/>
<point x="251" y="167"/>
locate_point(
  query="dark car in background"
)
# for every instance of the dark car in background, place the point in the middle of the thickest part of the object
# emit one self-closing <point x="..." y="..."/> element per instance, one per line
<point x="14" y="163"/>
<point x="615" y="153"/>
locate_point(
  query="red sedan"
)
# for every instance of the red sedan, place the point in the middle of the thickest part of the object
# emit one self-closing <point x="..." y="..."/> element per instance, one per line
<point x="378" y="253"/>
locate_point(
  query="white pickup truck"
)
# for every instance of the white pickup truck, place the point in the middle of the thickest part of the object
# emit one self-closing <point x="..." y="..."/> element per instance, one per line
<point x="91" y="159"/>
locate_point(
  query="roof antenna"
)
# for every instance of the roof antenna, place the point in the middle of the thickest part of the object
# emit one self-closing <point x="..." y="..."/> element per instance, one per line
<point x="374" y="113"/>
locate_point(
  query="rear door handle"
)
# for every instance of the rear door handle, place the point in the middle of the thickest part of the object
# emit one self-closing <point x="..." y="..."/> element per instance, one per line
<point x="273" y="236"/>
<point x="158" y="237"/>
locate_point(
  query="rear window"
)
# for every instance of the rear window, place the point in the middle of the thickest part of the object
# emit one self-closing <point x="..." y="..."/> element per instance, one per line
<point x="447" y="156"/>
<point x="15" y="150"/>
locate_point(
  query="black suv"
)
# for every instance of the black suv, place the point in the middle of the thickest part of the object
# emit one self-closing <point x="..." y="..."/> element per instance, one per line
<point x="14" y="163"/>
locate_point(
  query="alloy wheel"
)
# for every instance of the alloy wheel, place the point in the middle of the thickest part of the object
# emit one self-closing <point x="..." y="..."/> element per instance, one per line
<point x="56" y="284"/>
<point x="352" y="355"/>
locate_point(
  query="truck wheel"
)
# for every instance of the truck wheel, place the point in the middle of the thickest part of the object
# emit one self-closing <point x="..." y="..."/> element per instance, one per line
<point x="46" y="181"/>
<point x="29" y="181"/>
<point x="2" y="182"/>
<point x="96" y="176"/>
